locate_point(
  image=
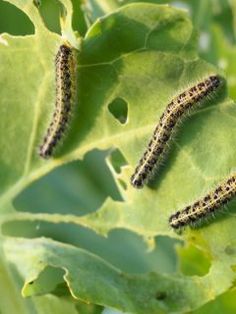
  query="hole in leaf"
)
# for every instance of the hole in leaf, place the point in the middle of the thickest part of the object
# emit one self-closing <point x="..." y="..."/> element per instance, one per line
<point x="193" y="261"/>
<point x="161" y="295"/>
<point x="79" y="17"/>
<point x="50" y="12"/>
<point x="76" y="188"/>
<point x="119" y="109"/>
<point x="14" y="21"/>
<point x="123" y="184"/>
<point x="47" y="281"/>
<point x="122" y="248"/>
<point x="117" y="160"/>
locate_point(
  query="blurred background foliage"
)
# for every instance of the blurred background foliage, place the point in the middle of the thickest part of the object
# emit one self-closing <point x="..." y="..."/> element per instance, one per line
<point x="81" y="187"/>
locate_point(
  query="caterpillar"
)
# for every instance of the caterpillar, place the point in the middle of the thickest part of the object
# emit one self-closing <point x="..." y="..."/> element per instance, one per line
<point x="171" y="117"/>
<point x="207" y="205"/>
<point x="65" y="64"/>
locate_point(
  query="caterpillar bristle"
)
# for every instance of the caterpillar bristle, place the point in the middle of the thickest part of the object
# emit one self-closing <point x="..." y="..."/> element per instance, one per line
<point x="176" y="109"/>
<point x="206" y="207"/>
<point x="65" y="65"/>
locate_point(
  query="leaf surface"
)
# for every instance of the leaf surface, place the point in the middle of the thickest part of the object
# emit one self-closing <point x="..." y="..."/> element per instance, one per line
<point x="143" y="54"/>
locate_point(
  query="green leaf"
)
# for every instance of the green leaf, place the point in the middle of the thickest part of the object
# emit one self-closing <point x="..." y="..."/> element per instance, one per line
<point x="223" y="304"/>
<point x="142" y="55"/>
<point x="90" y="278"/>
<point x="11" y="300"/>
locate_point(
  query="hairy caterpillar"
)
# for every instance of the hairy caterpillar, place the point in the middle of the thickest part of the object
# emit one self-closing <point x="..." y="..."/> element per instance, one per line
<point x="206" y="206"/>
<point x="172" y="115"/>
<point x="65" y="64"/>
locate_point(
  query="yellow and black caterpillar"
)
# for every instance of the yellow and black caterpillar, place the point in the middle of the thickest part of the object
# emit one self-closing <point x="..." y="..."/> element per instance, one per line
<point x="66" y="66"/>
<point x="206" y="206"/>
<point x="171" y="117"/>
